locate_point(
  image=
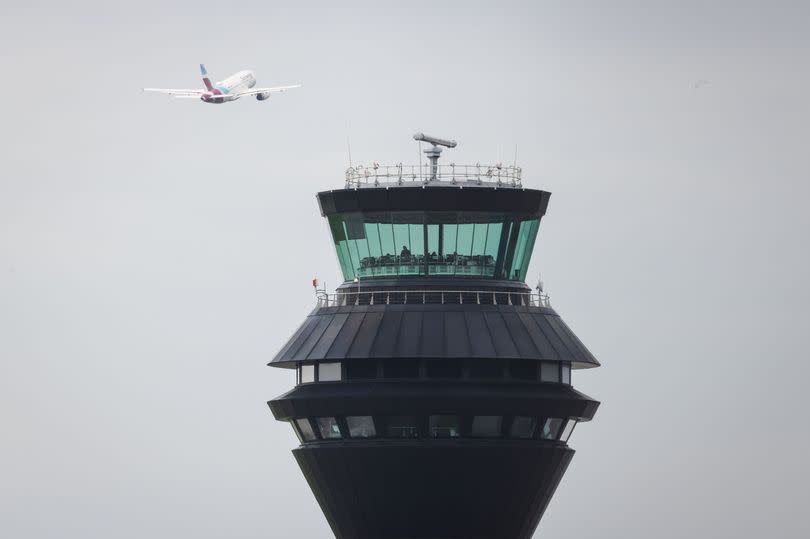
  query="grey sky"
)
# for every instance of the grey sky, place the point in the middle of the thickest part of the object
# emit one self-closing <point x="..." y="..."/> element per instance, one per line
<point x="155" y="253"/>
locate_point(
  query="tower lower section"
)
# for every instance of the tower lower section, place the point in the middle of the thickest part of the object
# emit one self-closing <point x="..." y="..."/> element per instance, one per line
<point x="446" y="489"/>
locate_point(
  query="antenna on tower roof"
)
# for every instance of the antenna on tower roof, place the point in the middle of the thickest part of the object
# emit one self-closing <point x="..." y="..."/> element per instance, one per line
<point x="433" y="152"/>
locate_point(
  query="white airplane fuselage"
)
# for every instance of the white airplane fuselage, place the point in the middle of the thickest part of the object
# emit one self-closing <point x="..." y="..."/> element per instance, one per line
<point x="236" y="83"/>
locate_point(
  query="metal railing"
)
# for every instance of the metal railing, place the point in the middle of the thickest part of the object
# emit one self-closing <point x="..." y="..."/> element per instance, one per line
<point x="399" y="174"/>
<point x="424" y="297"/>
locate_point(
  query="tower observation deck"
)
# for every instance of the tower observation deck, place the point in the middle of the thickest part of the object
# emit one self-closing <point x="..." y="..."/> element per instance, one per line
<point x="433" y="395"/>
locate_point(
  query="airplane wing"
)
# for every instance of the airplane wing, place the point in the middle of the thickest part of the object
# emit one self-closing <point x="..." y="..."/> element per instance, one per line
<point x="180" y="92"/>
<point x="255" y="91"/>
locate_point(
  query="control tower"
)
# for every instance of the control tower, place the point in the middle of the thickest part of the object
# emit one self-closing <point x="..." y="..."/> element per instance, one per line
<point x="433" y="395"/>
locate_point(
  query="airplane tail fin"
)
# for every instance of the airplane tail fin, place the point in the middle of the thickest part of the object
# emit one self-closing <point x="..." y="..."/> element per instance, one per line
<point x="206" y="79"/>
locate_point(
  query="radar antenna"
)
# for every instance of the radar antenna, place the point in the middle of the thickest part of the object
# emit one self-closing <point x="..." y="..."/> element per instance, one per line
<point x="434" y="151"/>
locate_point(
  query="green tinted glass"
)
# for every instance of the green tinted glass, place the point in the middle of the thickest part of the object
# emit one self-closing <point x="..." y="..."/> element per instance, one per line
<point x="443" y="244"/>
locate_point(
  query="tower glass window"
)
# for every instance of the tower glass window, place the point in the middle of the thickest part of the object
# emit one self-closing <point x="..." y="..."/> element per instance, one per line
<point x="445" y="426"/>
<point x="307" y="374"/>
<point x="486" y="368"/>
<point x="361" y="370"/>
<point x="361" y="426"/>
<point x="566" y="373"/>
<point x="523" y="370"/>
<point x="329" y="428"/>
<point x="550" y="371"/>
<point x="401" y="368"/>
<point x="551" y="428"/>
<point x="522" y="427"/>
<point x="486" y="426"/>
<point x="467" y="244"/>
<point x="403" y="426"/>
<point x="443" y="368"/>
<point x="305" y="429"/>
<point x="568" y="429"/>
<point x="329" y="372"/>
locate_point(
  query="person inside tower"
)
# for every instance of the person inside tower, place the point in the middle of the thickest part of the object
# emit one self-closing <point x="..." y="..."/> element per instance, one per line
<point x="406" y="253"/>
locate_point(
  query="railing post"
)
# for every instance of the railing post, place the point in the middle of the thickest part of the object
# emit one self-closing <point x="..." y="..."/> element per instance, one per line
<point x="442" y="297"/>
<point x="478" y="298"/>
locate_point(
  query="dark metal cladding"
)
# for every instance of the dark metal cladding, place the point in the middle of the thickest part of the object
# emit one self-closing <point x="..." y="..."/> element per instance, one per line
<point x="434" y="331"/>
<point x="385" y="398"/>
<point x="433" y="395"/>
<point x="454" y="490"/>
<point x="529" y="202"/>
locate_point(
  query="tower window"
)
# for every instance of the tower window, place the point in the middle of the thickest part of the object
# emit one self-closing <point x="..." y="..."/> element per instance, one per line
<point x="566" y="373"/>
<point x="550" y="372"/>
<point x="329" y="372"/>
<point x="329" y="428"/>
<point x="441" y="368"/>
<point x="307" y="374"/>
<point x="551" y="428"/>
<point x="523" y="370"/>
<point x="568" y="429"/>
<point x="305" y="429"/>
<point x="485" y="244"/>
<point x="403" y="426"/>
<point x="522" y="427"/>
<point x="403" y="368"/>
<point x="486" y="426"/>
<point x="361" y="370"/>
<point x="486" y="368"/>
<point x="445" y="426"/>
<point x="361" y="426"/>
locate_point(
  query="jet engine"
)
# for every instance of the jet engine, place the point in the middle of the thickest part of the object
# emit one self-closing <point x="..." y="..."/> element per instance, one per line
<point x="262" y="96"/>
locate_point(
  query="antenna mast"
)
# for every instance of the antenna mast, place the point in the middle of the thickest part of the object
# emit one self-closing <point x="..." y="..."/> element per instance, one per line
<point x="433" y="152"/>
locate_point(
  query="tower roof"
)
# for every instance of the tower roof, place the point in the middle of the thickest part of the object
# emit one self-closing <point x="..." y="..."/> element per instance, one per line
<point x="434" y="331"/>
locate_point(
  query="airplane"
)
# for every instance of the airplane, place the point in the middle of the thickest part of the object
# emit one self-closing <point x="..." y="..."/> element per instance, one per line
<point x="237" y="85"/>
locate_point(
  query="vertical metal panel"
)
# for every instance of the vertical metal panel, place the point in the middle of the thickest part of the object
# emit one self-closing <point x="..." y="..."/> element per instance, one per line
<point x="540" y="341"/>
<point x="570" y="345"/>
<point x="410" y="334"/>
<point x="480" y="339"/>
<point x="520" y="336"/>
<point x="483" y="331"/>
<point x="386" y="341"/>
<point x="345" y="337"/>
<point x="586" y="354"/>
<point x="295" y="341"/>
<point x="365" y="335"/>
<point x="312" y="339"/>
<point x="551" y="335"/>
<point x="504" y="347"/>
<point x="432" y="334"/>
<point x="456" y="339"/>
<point x="328" y="337"/>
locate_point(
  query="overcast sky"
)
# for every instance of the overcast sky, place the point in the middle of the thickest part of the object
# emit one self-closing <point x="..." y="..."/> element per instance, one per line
<point x="156" y="253"/>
